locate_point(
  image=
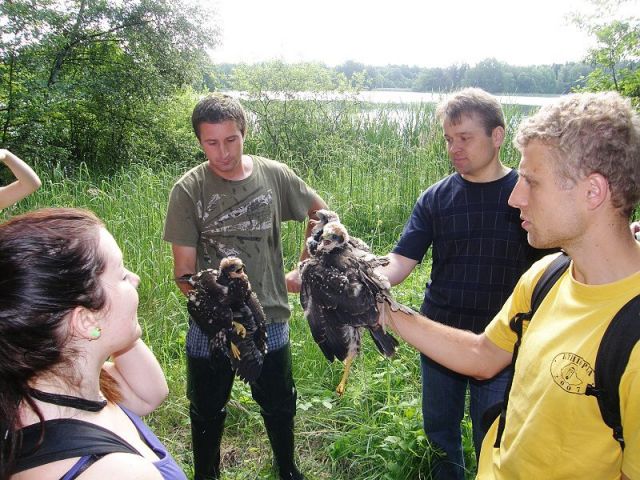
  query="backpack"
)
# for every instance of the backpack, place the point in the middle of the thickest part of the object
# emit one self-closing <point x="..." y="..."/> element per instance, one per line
<point x="618" y="340"/>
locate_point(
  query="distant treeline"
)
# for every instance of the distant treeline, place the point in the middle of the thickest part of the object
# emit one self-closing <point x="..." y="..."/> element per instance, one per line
<point x="489" y="74"/>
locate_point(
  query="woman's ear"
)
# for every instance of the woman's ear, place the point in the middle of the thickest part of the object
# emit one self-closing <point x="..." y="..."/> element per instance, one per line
<point x="84" y="324"/>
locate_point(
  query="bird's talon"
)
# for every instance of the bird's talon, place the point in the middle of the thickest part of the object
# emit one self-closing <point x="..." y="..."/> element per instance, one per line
<point x="235" y="351"/>
<point x="239" y="328"/>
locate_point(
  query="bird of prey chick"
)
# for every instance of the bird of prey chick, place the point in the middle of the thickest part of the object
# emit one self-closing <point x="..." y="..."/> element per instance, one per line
<point x="226" y="309"/>
<point x="341" y="294"/>
<point x="324" y="217"/>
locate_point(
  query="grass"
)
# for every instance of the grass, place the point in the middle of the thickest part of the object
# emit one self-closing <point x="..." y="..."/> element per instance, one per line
<point x="372" y="177"/>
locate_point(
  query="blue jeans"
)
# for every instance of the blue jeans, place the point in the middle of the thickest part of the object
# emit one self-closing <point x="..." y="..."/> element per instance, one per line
<point x="443" y="404"/>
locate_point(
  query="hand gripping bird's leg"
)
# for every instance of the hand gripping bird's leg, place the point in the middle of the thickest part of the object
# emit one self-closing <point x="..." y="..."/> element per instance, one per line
<point x="343" y="381"/>
<point x="234" y="351"/>
<point x="239" y="328"/>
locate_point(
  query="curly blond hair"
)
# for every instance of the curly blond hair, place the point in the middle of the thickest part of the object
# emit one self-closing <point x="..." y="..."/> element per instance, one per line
<point x="591" y="133"/>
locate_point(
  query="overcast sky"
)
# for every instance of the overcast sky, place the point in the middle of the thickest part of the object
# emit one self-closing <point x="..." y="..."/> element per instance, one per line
<point x="426" y="33"/>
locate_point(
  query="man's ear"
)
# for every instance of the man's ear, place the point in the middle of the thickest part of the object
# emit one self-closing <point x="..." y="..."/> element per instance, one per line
<point x="597" y="190"/>
<point x="83" y="322"/>
<point x="497" y="135"/>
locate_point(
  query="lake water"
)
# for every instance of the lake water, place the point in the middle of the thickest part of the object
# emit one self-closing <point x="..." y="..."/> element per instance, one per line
<point x="403" y="96"/>
<point x="390" y="96"/>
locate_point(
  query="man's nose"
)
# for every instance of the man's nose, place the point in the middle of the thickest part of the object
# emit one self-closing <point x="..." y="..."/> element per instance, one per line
<point x="517" y="197"/>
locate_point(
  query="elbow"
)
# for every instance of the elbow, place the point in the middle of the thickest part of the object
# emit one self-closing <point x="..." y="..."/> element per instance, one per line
<point x="487" y="371"/>
<point x="480" y="376"/>
<point x="31" y="185"/>
<point x="486" y="364"/>
<point x="159" y="396"/>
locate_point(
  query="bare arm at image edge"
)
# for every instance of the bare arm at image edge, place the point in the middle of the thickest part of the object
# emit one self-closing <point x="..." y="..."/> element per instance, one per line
<point x="27" y="180"/>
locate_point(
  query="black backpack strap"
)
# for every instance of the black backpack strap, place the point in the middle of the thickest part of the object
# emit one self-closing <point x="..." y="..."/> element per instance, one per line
<point x="66" y="438"/>
<point x="616" y="345"/>
<point x="547" y="280"/>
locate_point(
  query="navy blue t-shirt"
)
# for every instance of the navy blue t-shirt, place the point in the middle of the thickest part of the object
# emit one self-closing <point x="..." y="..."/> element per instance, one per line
<point x="479" y="248"/>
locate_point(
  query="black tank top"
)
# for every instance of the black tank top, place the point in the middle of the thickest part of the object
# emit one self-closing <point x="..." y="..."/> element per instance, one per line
<point x="66" y="438"/>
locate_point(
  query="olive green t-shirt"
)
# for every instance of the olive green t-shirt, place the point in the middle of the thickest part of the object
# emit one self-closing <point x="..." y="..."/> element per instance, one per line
<point x="241" y="218"/>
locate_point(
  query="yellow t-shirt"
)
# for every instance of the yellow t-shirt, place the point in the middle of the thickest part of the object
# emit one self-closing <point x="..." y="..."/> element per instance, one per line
<point x="553" y="430"/>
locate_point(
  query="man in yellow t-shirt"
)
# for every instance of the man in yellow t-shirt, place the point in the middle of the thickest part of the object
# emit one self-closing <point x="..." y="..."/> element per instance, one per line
<point x="579" y="184"/>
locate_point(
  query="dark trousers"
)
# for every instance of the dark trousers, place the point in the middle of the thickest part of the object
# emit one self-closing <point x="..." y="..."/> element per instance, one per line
<point x="443" y="405"/>
<point x="209" y="383"/>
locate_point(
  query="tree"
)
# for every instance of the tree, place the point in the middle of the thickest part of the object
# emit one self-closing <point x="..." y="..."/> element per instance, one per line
<point x="294" y="117"/>
<point x="616" y="56"/>
<point x="82" y="79"/>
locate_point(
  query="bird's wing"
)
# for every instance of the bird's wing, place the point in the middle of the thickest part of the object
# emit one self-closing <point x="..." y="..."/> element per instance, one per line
<point x="248" y="366"/>
<point x="333" y="308"/>
<point x="385" y="342"/>
<point x="208" y="313"/>
<point x="334" y="338"/>
<point x="318" y="294"/>
<point x="358" y="244"/>
<point x="260" y="320"/>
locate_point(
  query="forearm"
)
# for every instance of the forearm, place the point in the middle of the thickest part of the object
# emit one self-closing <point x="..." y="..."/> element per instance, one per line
<point x="140" y="377"/>
<point x="398" y="269"/>
<point x="27" y="181"/>
<point x="184" y="265"/>
<point x="23" y="172"/>
<point x="307" y="233"/>
<point x="292" y="278"/>
<point x="459" y="350"/>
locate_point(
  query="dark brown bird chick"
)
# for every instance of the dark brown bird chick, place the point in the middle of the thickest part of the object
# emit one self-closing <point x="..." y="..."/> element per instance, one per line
<point x="207" y="303"/>
<point x="341" y="294"/>
<point x="251" y="340"/>
<point x="224" y="307"/>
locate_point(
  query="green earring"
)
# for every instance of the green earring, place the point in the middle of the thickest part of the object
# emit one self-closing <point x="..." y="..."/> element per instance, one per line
<point x="95" y="333"/>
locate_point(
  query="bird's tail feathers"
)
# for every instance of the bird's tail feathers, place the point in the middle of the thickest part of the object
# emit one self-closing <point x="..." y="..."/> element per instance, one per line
<point x="385" y="342"/>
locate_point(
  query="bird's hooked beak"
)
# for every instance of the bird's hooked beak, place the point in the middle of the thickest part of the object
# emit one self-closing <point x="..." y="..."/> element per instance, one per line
<point x="329" y="242"/>
<point x="238" y="272"/>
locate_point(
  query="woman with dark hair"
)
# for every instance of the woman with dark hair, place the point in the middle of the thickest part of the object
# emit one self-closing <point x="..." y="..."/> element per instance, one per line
<point x="67" y="303"/>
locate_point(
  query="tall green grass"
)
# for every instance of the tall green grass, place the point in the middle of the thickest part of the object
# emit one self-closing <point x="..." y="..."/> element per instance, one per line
<point x="371" y="172"/>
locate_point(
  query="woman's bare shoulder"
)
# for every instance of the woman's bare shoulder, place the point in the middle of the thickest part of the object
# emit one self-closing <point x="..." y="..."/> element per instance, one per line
<point x="125" y="466"/>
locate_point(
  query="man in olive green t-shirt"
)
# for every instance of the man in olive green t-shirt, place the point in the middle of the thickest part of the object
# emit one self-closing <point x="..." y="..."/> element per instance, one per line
<point x="234" y="204"/>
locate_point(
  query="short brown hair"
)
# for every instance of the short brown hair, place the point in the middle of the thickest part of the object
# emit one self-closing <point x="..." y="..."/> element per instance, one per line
<point x="591" y="133"/>
<point x="218" y="108"/>
<point x="471" y="101"/>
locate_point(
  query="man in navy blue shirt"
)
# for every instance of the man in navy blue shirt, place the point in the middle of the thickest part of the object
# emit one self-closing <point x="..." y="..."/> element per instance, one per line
<point x="478" y="253"/>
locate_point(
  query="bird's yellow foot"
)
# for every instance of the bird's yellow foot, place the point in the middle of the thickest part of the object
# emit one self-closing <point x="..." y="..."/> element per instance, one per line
<point x="239" y="328"/>
<point x="345" y="375"/>
<point x="235" y="351"/>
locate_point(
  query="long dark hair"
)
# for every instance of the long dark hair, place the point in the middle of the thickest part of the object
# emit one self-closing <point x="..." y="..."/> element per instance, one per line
<point x="49" y="265"/>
